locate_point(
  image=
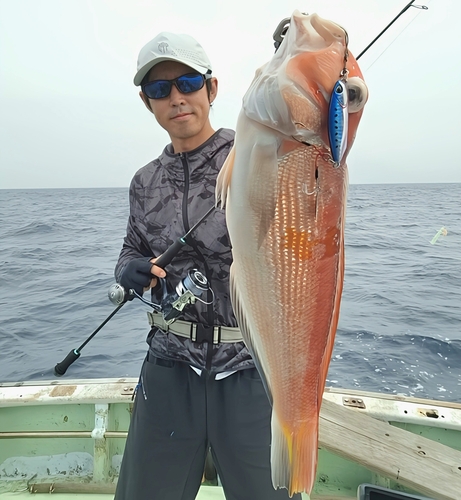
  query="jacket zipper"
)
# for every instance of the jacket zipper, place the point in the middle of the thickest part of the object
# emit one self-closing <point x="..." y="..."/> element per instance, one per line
<point x="185" y="216"/>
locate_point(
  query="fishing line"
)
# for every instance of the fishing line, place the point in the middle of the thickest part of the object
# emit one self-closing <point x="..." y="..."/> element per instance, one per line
<point x="421" y="8"/>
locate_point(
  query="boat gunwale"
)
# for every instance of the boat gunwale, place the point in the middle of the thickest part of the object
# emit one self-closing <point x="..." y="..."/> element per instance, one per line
<point x="386" y="407"/>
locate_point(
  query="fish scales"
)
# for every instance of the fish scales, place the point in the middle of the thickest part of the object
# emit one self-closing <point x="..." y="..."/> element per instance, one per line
<point x="303" y="227"/>
<point x="285" y="211"/>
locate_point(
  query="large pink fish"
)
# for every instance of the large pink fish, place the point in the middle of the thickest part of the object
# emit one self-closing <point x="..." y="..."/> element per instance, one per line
<point x="285" y="207"/>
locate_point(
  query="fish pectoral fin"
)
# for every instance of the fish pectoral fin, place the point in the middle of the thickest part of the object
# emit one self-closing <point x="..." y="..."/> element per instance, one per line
<point x="240" y="314"/>
<point x="224" y="179"/>
<point x="262" y="182"/>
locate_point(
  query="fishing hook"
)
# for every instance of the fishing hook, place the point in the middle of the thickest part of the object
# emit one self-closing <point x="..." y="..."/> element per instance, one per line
<point x="304" y="189"/>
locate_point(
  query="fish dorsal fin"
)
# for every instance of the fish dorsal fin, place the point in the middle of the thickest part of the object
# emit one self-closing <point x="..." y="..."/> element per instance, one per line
<point x="224" y="179"/>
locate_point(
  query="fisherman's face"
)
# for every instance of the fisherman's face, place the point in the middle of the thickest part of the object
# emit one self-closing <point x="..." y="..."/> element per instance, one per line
<point x="184" y="116"/>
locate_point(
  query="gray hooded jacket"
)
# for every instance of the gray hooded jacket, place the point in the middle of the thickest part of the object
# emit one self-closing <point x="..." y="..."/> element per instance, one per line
<point x="167" y="197"/>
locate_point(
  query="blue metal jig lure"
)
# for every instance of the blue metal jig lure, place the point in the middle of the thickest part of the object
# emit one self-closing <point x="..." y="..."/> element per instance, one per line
<point x="338" y="121"/>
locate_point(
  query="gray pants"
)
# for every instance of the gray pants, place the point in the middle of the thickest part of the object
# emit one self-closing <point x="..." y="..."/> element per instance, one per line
<point x="177" y="416"/>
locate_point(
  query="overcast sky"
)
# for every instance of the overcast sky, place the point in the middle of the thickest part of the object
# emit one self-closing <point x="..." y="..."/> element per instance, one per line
<point x="70" y="115"/>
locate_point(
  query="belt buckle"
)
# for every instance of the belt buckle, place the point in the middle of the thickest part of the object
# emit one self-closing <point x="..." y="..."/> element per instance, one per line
<point x="201" y="333"/>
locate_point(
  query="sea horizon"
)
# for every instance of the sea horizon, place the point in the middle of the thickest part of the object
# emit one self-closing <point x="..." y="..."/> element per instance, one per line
<point x="350" y="184"/>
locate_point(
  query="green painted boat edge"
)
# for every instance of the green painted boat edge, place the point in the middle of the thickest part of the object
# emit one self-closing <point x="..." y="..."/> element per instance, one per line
<point x="73" y="407"/>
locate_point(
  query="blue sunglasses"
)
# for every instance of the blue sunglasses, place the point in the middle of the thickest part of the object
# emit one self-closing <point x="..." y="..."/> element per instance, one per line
<point x="159" y="89"/>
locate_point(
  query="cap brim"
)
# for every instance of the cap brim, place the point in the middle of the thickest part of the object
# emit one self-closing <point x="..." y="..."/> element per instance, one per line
<point x="147" y="67"/>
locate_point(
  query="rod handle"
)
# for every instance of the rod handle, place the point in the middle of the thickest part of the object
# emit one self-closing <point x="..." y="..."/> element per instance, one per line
<point x="61" y="368"/>
<point x="170" y="253"/>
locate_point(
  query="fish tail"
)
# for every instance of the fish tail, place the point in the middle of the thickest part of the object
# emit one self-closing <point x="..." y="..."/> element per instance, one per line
<point x="294" y="456"/>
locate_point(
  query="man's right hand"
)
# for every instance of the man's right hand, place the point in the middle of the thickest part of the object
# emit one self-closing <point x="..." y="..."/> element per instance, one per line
<point x="140" y="275"/>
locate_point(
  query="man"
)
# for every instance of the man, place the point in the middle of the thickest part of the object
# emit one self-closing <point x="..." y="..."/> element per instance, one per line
<point x="198" y="386"/>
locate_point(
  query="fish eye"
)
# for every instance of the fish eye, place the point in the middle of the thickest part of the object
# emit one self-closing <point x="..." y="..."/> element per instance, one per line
<point x="357" y="93"/>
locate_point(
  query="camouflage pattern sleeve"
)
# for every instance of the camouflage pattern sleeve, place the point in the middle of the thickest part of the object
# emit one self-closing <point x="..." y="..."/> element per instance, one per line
<point x="134" y="243"/>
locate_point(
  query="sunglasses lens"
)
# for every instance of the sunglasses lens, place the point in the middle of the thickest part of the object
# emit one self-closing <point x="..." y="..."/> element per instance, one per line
<point x="189" y="83"/>
<point x="157" y="89"/>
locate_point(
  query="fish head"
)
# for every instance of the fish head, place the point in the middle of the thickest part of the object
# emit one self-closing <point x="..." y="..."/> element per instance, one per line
<point x="317" y="60"/>
<point x="291" y="93"/>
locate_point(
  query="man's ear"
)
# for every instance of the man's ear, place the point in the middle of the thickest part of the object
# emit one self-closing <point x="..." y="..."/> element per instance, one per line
<point x="213" y="89"/>
<point x="145" y="100"/>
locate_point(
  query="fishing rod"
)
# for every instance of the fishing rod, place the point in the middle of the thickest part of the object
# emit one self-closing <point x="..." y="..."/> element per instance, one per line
<point x="174" y="249"/>
<point x="410" y="4"/>
<point x="190" y="288"/>
<point x="282" y="28"/>
<point x="119" y="296"/>
<point x="61" y="368"/>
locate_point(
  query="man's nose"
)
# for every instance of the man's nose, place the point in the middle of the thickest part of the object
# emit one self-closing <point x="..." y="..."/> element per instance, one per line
<point x="176" y="97"/>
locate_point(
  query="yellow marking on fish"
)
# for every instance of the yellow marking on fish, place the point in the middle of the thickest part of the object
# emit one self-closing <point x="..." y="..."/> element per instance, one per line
<point x="299" y="242"/>
<point x="302" y="243"/>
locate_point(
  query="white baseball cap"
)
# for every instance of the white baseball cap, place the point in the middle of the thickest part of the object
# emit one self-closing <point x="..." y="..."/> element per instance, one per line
<point x="171" y="47"/>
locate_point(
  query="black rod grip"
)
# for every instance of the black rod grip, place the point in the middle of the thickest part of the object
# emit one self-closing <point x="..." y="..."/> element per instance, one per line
<point x="170" y="253"/>
<point x="61" y="368"/>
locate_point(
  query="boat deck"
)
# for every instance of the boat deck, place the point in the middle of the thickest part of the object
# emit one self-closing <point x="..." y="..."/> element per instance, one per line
<point x="205" y="493"/>
<point x="23" y="495"/>
<point x="70" y="438"/>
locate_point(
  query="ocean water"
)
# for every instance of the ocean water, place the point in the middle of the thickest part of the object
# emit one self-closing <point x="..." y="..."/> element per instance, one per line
<point x="400" y="323"/>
